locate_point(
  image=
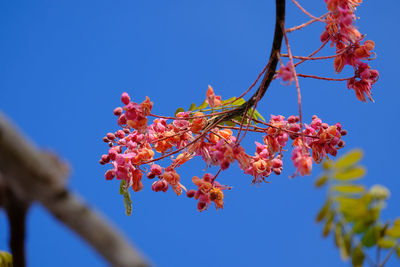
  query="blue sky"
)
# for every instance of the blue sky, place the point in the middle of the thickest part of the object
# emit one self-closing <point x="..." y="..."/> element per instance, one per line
<point x="64" y="64"/>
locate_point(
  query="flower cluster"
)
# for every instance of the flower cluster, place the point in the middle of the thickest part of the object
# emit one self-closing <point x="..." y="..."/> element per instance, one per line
<point x="136" y="147"/>
<point x="350" y="47"/>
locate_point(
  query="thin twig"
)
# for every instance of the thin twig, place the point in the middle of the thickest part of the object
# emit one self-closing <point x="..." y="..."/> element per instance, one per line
<point x="305" y="11"/>
<point x="323" y="78"/>
<point x="297" y="84"/>
<point x="310" y="58"/>
<point x="301" y="26"/>
<point x="313" y="53"/>
<point x="388" y="256"/>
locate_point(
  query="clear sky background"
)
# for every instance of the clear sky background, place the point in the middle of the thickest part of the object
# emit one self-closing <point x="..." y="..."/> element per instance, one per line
<point x="64" y="64"/>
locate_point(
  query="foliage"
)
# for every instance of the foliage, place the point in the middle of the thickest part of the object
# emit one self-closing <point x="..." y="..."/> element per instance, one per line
<point x="5" y="259"/>
<point x="352" y="212"/>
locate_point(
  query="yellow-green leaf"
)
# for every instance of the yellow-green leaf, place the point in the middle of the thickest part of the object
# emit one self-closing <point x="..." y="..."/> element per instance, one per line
<point x="345" y="249"/>
<point x="349" y="159"/>
<point x="239" y="102"/>
<point x="228" y="100"/>
<point x="386" y="243"/>
<point x="370" y="237"/>
<point x="321" y="181"/>
<point x="358" y="257"/>
<point x="360" y="227"/>
<point x="350" y="174"/>
<point x="394" y="231"/>
<point x="328" y="225"/>
<point x="5" y="259"/>
<point x="192" y="107"/>
<point x="398" y="252"/>
<point x="328" y="164"/>
<point x="338" y="235"/>
<point x="349" y="188"/>
<point x="324" y="211"/>
<point x="179" y="110"/>
<point x="229" y="123"/>
<point x="258" y="115"/>
<point x="203" y="105"/>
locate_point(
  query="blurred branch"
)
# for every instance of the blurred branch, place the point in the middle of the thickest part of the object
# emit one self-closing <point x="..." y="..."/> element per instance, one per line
<point x="16" y="210"/>
<point x="32" y="175"/>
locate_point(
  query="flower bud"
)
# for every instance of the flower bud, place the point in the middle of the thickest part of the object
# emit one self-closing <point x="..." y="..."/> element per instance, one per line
<point x="105" y="158"/>
<point x="341" y="144"/>
<point x="111" y="136"/>
<point x="125" y="98"/>
<point x="118" y="111"/>
<point x="110" y="174"/>
<point x="120" y="134"/>
<point x="190" y="193"/>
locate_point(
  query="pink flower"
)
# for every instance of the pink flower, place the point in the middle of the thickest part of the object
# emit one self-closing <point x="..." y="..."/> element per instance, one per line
<point x="286" y="73"/>
<point x="212" y="99"/>
<point x="302" y="161"/>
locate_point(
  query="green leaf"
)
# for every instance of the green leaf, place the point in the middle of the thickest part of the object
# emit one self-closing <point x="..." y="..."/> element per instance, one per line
<point x="328" y="225"/>
<point x="398" y="252"/>
<point x="349" y="159"/>
<point x="128" y="203"/>
<point x="360" y="227"/>
<point x="358" y="256"/>
<point x="321" y="181"/>
<point x="350" y="174"/>
<point x="179" y="110"/>
<point x="345" y="249"/>
<point x="203" y="105"/>
<point x="324" y="211"/>
<point x="239" y="102"/>
<point x="386" y="243"/>
<point x="328" y="164"/>
<point x="258" y="115"/>
<point x="338" y="235"/>
<point x="397" y="222"/>
<point x="349" y="188"/>
<point x="229" y="123"/>
<point x="228" y="100"/>
<point x="353" y="209"/>
<point x="192" y="107"/>
<point x="370" y="237"/>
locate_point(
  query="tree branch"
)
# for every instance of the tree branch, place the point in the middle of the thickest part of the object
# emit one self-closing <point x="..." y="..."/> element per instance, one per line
<point x="34" y="176"/>
<point x="271" y="66"/>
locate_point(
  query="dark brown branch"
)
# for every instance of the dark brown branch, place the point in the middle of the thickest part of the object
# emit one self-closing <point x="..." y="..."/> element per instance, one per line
<point x="272" y="63"/>
<point x="35" y="176"/>
<point x="16" y="212"/>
